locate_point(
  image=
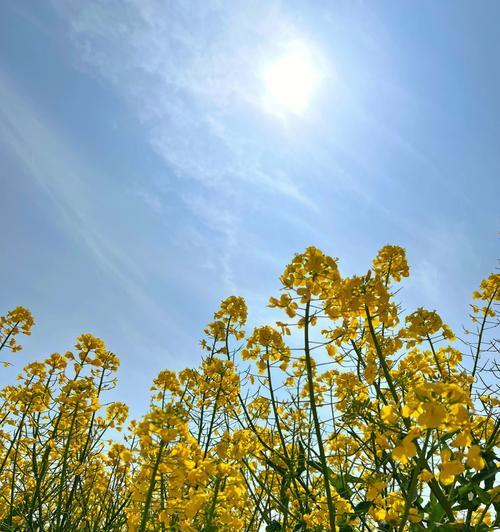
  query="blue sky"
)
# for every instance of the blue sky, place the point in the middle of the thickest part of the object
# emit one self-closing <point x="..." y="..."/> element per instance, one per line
<point x="144" y="179"/>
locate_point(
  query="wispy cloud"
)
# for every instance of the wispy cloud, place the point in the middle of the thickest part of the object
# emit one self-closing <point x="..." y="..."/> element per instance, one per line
<point x="191" y="75"/>
<point x="67" y="182"/>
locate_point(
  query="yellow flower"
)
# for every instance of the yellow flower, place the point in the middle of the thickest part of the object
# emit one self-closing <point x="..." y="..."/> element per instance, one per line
<point x="462" y="439"/>
<point x="425" y="475"/>
<point x="432" y="416"/>
<point x="406" y="449"/>
<point x="391" y="509"/>
<point x="163" y="517"/>
<point x="449" y="468"/>
<point x="193" y="506"/>
<point x="474" y="458"/>
<point x="490" y="288"/>
<point x="370" y="372"/>
<point x="126" y="456"/>
<point x="388" y="414"/>
<point x="391" y="263"/>
<point x="459" y="414"/>
<point x="379" y="514"/>
<point x="374" y="490"/>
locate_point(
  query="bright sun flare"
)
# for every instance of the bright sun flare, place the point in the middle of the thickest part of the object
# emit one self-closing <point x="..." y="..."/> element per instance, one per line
<point x="290" y="80"/>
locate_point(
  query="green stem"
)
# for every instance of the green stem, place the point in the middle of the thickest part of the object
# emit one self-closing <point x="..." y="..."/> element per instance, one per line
<point x="480" y="339"/>
<point x="149" y="495"/>
<point x="317" y="427"/>
<point x="211" y="512"/>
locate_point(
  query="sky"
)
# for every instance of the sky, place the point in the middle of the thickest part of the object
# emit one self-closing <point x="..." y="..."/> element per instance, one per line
<point x="150" y="166"/>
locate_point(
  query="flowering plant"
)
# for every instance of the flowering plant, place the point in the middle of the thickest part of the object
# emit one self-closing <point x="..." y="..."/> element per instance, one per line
<point x="349" y="415"/>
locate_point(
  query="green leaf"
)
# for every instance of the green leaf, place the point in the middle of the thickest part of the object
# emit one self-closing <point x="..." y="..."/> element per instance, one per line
<point x="273" y="526"/>
<point x="435" y="510"/>
<point x="487" y="475"/>
<point x="362" y="507"/>
<point x="352" y="479"/>
<point x="341" y="485"/>
<point x="482" y="494"/>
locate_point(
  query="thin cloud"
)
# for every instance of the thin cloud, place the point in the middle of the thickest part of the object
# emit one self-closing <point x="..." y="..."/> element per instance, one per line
<point x="190" y="75"/>
<point x="63" y="177"/>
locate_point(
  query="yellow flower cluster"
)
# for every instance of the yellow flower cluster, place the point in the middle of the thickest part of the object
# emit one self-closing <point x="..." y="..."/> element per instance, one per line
<point x="266" y="345"/>
<point x="375" y="419"/>
<point x="18" y="320"/>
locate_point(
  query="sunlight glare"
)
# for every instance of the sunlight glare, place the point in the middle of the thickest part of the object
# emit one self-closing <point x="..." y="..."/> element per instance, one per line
<point x="290" y="80"/>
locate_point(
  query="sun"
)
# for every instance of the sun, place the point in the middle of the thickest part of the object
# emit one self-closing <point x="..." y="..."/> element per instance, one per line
<point x="291" y="79"/>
